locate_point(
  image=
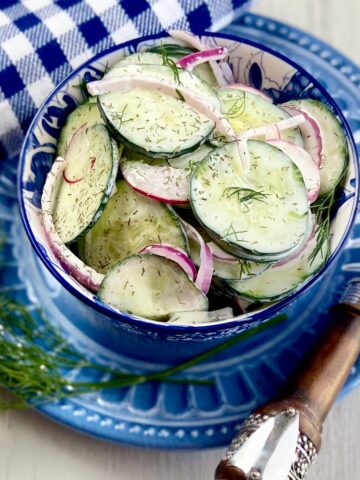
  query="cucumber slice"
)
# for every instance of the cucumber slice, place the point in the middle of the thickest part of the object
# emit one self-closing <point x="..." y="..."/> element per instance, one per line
<point x="92" y="161"/>
<point x="278" y="281"/>
<point x="190" y="159"/>
<point x="185" y="161"/>
<point x="129" y="154"/>
<point x="227" y="270"/>
<point x="335" y="153"/>
<point x="151" y="287"/>
<point x="129" y="223"/>
<point x="260" y="215"/>
<point x="175" y="52"/>
<point x="246" y="110"/>
<point x="86" y="114"/>
<point x="152" y="122"/>
<point x="172" y="50"/>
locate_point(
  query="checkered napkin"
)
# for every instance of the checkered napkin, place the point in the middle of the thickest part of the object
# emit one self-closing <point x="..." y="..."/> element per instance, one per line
<point x="41" y="41"/>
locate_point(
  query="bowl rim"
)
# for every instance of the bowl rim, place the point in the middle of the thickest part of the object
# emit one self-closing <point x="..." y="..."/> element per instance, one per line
<point x="147" y="324"/>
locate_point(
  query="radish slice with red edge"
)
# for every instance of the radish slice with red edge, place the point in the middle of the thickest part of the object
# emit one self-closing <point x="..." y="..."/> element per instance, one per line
<point x="162" y="183"/>
<point x="195" y="42"/>
<point x="201" y="105"/>
<point x="205" y="272"/>
<point x="247" y="88"/>
<point x="281" y="125"/>
<point x="311" y="133"/>
<point x="175" y="254"/>
<point x="197" y="58"/>
<point x="85" y="275"/>
<point x="304" y="162"/>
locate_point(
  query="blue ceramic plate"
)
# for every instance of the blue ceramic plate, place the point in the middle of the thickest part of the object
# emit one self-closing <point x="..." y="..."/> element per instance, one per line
<point x="183" y="416"/>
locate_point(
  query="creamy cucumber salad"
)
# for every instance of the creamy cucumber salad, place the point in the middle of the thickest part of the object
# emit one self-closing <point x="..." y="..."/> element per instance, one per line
<point x="182" y="196"/>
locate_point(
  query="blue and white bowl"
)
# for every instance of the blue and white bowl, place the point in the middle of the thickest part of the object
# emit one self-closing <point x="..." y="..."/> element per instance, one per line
<point x="253" y="64"/>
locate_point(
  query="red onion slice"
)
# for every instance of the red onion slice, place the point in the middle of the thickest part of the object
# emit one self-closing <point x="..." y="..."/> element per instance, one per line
<point x="197" y="58"/>
<point x="175" y="254"/>
<point x="195" y="42"/>
<point x="306" y="165"/>
<point x="311" y="133"/>
<point x="281" y="125"/>
<point x="205" y="272"/>
<point x="71" y="263"/>
<point x="201" y="105"/>
<point x="220" y="254"/>
<point x="247" y="88"/>
<point x="273" y="134"/>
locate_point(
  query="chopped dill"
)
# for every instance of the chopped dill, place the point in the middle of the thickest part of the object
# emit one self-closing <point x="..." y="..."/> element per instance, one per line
<point x="180" y="95"/>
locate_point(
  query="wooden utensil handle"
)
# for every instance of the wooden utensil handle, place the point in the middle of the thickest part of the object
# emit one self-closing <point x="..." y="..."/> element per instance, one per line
<point x="313" y="389"/>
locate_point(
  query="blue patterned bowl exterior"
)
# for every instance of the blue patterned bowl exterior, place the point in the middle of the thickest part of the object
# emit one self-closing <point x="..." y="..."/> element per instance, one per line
<point x="253" y="64"/>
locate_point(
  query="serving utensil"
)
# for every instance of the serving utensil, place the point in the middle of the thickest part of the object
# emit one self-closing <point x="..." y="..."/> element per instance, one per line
<point x="281" y="439"/>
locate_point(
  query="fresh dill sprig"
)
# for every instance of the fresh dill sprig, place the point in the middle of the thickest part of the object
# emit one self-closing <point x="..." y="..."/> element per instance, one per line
<point x="231" y="231"/>
<point x="245" y="268"/>
<point x="171" y="64"/>
<point x="37" y="363"/>
<point x="120" y="117"/>
<point x="321" y="208"/>
<point x="237" y="106"/>
<point x="245" y="194"/>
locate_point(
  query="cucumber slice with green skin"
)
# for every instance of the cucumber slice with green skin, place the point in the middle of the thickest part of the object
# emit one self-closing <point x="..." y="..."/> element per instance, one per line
<point x="130" y="155"/>
<point x="92" y="161"/>
<point x="260" y="215"/>
<point x="172" y="50"/>
<point x="246" y="110"/>
<point x="86" y="114"/>
<point x="185" y="161"/>
<point x="129" y="223"/>
<point x="151" y="287"/>
<point x="279" y="281"/>
<point x="227" y="270"/>
<point x="153" y="123"/>
<point x="176" y="52"/>
<point x="190" y="159"/>
<point x="335" y="153"/>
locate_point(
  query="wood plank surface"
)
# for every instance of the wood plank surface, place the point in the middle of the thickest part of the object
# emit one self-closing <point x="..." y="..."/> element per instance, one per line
<point x="34" y="448"/>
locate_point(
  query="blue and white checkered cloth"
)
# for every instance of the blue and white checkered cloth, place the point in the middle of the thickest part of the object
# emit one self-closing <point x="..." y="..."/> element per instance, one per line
<point x="41" y="41"/>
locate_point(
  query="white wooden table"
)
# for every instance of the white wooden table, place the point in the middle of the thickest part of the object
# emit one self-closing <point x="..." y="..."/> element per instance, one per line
<point x="34" y="448"/>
